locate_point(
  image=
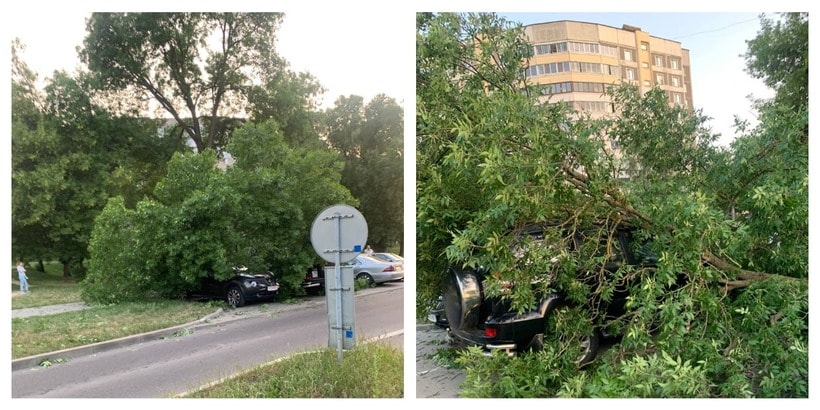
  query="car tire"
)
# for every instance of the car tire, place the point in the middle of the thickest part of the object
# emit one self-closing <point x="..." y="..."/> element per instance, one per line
<point x="367" y="278"/>
<point x="589" y="349"/>
<point x="588" y="345"/>
<point x="235" y="297"/>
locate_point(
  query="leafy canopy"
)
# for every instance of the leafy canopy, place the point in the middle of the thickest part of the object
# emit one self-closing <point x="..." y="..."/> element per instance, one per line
<point x="256" y="213"/>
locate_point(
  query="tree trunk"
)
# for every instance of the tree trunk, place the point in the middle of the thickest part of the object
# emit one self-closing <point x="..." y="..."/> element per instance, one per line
<point x="67" y="268"/>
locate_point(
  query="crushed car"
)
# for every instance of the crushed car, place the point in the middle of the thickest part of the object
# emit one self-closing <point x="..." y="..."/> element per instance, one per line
<point x="243" y="287"/>
<point x="473" y="317"/>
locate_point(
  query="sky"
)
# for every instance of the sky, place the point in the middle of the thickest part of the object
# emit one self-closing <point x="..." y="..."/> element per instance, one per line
<point x="347" y="59"/>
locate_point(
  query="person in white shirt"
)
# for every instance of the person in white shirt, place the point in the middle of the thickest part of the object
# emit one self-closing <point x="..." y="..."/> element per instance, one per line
<point x="21" y="275"/>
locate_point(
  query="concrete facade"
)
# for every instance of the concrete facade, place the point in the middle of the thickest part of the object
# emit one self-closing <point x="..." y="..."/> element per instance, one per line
<point x="575" y="61"/>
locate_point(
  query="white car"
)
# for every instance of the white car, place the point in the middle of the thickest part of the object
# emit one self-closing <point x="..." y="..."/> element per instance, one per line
<point x="375" y="270"/>
<point x="389" y="257"/>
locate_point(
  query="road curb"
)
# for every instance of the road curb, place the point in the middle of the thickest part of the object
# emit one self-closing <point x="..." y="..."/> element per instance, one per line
<point x="74" y="352"/>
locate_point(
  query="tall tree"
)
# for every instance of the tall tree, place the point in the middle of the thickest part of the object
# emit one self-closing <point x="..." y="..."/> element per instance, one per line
<point x="66" y="164"/>
<point x="291" y="100"/>
<point x="370" y="138"/>
<point x="492" y="159"/>
<point x="199" y="68"/>
<point x="779" y="55"/>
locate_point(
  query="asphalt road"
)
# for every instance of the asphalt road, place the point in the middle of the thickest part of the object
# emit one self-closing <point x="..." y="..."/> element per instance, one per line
<point x="170" y="366"/>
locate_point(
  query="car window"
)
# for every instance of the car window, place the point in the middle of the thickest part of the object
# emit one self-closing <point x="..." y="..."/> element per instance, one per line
<point x="644" y="252"/>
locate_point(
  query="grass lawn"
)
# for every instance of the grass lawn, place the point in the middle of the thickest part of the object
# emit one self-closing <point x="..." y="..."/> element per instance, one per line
<point x="43" y="334"/>
<point x="370" y="370"/>
<point x="47" y="288"/>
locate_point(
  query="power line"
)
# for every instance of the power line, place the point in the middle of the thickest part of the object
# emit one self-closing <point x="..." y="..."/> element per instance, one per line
<point x="713" y="30"/>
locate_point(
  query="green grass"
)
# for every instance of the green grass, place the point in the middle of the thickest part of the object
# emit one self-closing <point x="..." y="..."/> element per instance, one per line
<point x="43" y="334"/>
<point x="370" y="370"/>
<point x="446" y="357"/>
<point x="47" y="288"/>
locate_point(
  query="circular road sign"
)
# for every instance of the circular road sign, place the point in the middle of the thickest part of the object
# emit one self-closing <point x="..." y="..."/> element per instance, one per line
<point x="339" y="229"/>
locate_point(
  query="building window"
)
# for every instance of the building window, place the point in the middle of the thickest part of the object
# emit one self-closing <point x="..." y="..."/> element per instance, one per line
<point x="551" y="68"/>
<point x="678" y="98"/>
<point x="550" y="48"/>
<point x="658" y="59"/>
<point x="576" y="86"/>
<point x="614" y="70"/>
<point x="675" y="81"/>
<point x="578" y="67"/>
<point x="591" y="48"/>
<point x="644" y="45"/>
<point x="646" y="83"/>
<point x="660" y="79"/>
<point x="609" y="50"/>
<point x="593" y="106"/>
<point x="674" y="63"/>
<point x="628" y="55"/>
<point x="629" y="73"/>
<point x="645" y="64"/>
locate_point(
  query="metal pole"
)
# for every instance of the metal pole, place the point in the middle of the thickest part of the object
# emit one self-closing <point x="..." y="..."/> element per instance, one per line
<point x="338" y="273"/>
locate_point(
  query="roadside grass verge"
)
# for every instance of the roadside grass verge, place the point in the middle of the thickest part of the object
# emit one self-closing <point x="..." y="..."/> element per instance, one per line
<point x="43" y="334"/>
<point x="371" y="370"/>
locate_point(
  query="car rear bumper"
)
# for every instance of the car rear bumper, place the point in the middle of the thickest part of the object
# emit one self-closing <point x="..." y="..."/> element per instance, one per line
<point x="511" y="332"/>
<point x="388" y="277"/>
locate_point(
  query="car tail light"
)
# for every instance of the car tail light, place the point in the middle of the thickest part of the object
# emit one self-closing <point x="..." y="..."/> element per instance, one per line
<point x="390" y="268"/>
<point x="490" y="332"/>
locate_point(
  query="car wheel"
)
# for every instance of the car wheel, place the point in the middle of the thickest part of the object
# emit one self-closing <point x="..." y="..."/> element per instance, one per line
<point x="235" y="297"/>
<point x="587" y="345"/>
<point x="589" y="349"/>
<point x="367" y="278"/>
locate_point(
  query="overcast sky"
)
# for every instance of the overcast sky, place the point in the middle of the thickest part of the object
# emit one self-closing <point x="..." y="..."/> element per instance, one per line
<point x="346" y="51"/>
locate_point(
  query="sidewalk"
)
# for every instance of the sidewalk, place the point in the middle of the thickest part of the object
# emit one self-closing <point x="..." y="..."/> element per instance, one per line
<point x="47" y="310"/>
<point x="433" y="380"/>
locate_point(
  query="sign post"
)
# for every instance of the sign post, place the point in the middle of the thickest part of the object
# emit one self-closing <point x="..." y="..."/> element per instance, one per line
<point x="338" y="235"/>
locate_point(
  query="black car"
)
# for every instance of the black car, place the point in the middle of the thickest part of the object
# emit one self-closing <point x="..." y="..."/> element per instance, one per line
<point x="243" y="287"/>
<point x="476" y="319"/>
<point x="314" y="283"/>
<point x="437" y="314"/>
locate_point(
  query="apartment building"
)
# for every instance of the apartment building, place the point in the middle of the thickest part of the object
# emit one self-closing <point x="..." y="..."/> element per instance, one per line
<point x="575" y="61"/>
